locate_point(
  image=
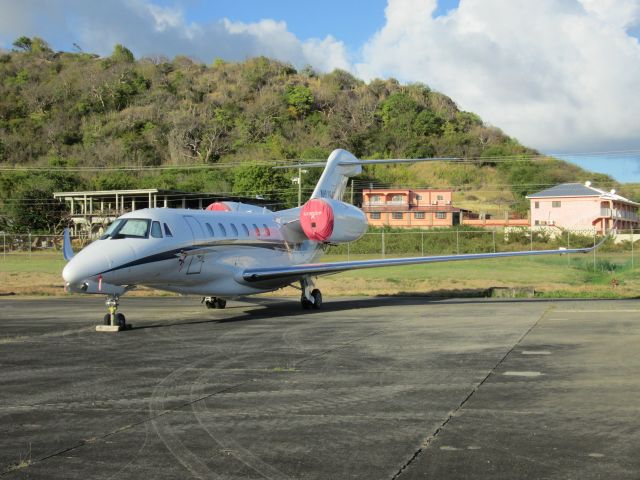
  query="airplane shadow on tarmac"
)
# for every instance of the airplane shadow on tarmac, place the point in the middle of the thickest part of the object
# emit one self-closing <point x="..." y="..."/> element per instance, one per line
<point x="276" y="308"/>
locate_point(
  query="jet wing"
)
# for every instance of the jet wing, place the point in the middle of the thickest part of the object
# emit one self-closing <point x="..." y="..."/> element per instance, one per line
<point x="314" y="269"/>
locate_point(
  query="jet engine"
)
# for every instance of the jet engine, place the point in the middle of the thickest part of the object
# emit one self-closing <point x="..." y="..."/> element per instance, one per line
<point x="332" y="221"/>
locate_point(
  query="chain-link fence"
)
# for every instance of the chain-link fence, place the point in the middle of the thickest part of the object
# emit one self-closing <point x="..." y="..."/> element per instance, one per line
<point x="395" y="244"/>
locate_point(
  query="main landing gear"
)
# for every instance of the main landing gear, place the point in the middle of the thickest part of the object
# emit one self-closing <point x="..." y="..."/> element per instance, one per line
<point x="311" y="298"/>
<point x="113" y="321"/>
<point x="214" y="302"/>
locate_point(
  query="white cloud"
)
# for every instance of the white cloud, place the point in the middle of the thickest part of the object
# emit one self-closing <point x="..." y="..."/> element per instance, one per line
<point x="558" y="75"/>
<point x="151" y="29"/>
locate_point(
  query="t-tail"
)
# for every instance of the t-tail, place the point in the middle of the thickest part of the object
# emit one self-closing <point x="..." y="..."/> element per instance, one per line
<point x="341" y="165"/>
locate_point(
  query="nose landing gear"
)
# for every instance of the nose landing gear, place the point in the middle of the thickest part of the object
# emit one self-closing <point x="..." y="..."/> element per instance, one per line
<point x="113" y="321"/>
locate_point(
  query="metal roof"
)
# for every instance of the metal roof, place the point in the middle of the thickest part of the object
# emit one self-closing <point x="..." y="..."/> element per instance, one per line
<point x="580" y="190"/>
<point x="567" y="190"/>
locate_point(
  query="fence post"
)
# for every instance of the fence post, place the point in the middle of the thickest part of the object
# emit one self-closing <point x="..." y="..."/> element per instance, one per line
<point x="458" y="242"/>
<point x="494" y="240"/>
<point x="29" y="245"/>
<point x="348" y="251"/>
<point x="632" y="248"/>
<point x="568" y="254"/>
<point x="4" y="246"/>
<point x="382" y="241"/>
<point x="531" y="238"/>
<point x="422" y="243"/>
<point x="594" y="251"/>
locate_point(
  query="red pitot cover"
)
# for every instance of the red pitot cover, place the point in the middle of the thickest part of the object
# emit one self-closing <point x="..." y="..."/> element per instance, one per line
<point x="316" y="219"/>
<point x="219" y="207"/>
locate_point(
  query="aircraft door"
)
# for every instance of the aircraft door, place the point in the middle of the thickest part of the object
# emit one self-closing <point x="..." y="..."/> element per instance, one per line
<point x="195" y="261"/>
<point x="194" y="227"/>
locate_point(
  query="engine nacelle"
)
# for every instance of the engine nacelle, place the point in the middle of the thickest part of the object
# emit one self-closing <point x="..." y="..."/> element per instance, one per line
<point x="331" y="221"/>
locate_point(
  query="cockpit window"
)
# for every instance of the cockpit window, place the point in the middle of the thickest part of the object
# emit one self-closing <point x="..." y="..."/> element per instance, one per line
<point x="156" y="230"/>
<point x="112" y="228"/>
<point x="167" y="231"/>
<point x="129" y="228"/>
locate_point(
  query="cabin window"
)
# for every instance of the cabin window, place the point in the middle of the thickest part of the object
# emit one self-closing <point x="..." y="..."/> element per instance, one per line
<point x="418" y="215"/>
<point x="374" y="215"/>
<point x="156" y="230"/>
<point x="222" y="229"/>
<point x="267" y="232"/>
<point x="256" y="229"/>
<point x="210" y="229"/>
<point x="234" y="229"/>
<point x="441" y="215"/>
<point x="246" y="229"/>
<point x="397" y="215"/>
<point x="556" y="204"/>
<point x="167" y="231"/>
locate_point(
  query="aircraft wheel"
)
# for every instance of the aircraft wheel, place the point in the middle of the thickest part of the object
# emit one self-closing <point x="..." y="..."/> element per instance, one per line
<point x="107" y="319"/>
<point x="306" y="304"/>
<point x="221" y="303"/>
<point x="120" y="320"/>
<point x="210" y="303"/>
<point x="317" y="299"/>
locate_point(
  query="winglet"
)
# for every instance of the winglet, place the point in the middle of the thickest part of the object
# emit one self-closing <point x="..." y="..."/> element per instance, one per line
<point x="67" y="249"/>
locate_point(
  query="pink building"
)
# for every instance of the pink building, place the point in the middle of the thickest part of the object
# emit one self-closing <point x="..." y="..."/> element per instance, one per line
<point x="583" y="207"/>
<point x="423" y="208"/>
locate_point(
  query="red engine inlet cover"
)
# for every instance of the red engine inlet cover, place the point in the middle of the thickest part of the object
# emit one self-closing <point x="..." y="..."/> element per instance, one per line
<point x="316" y="219"/>
<point x="218" y="207"/>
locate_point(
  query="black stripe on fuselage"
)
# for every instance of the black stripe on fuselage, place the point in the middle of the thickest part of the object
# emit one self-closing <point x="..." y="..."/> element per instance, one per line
<point x="169" y="254"/>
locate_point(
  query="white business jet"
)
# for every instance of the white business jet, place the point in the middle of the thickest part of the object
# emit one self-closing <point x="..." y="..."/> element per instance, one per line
<point x="232" y="249"/>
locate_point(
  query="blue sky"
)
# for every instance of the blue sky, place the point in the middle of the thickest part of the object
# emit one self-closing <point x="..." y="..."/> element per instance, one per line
<point x="558" y="75"/>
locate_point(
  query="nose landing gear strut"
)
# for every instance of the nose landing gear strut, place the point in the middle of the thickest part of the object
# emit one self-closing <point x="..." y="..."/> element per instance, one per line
<point x="113" y="321"/>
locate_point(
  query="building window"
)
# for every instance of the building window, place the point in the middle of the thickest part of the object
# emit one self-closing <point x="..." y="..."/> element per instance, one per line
<point x="556" y="204"/>
<point x="396" y="198"/>
<point x="375" y="199"/>
<point x="374" y="215"/>
<point x="396" y="215"/>
<point x="418" y="198"/>
<point x="441" y="215"/>
<point x="537" y="205"/>
<point x="537" y="222"/>
<point x="440" y="197"/>
<point x="418" y="215"/>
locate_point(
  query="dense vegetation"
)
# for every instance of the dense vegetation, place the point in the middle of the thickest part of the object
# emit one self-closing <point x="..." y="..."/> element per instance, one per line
<point x="66" y="111"/>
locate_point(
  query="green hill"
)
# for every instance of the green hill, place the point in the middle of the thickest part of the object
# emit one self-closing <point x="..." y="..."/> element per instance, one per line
<point x="67" y="112"/>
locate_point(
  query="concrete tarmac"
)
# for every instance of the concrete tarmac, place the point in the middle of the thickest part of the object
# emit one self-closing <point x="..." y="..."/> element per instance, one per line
<point x="375" y="388"/>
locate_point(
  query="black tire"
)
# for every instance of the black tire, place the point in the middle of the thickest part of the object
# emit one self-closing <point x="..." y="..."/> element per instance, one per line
<point x="120" y="320"/>
<point x="317" y="299"/>
<point x="107" y="319"/>
<point x="306" y="304"/>
<point x="222" y="303"/>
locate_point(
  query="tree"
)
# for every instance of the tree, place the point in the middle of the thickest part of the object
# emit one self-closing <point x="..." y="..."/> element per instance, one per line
<point x="252" y="180"/>
<point x="23" y="43"/>
<point x="122" y="54"/>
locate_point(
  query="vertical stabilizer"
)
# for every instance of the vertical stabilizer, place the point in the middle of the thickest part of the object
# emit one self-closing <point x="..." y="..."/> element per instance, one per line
<point x="333" y="182"/>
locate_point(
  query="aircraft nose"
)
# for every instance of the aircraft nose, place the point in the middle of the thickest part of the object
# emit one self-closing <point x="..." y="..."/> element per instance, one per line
<point x="81" y="268"/>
